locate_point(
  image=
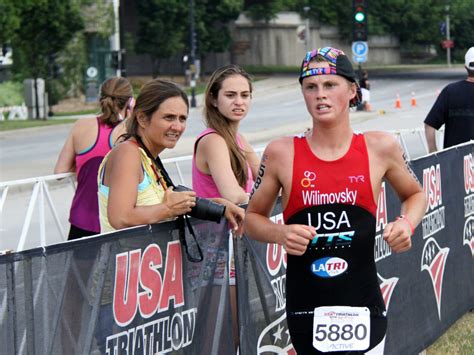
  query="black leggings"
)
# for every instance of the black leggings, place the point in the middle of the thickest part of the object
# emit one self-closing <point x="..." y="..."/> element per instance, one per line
<point x="76" y="233"/>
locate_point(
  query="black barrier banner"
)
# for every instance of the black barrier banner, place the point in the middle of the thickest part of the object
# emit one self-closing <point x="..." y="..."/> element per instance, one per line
<point x="432" y="285"/>
<point x="136" y="292"/>
<point x="261" y="283"/>
<point x="425" y="290"/>
<point x="129" y="292"/>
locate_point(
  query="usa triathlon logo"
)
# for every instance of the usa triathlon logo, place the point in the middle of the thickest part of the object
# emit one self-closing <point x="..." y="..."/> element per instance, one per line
<point x="434" y="261"/>
<point x="387" y="286"/>
<point x="433" y="258"/>
<point x="468" y="234"/>
<point x="381" y="248"/>
<point x="434" y="219"/>
<point x="275" y="338"/>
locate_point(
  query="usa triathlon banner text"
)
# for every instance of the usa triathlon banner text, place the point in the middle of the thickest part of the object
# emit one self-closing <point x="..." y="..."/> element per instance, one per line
<point x="129" y="292"/>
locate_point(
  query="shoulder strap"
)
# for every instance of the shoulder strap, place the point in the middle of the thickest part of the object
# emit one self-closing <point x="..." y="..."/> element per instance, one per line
<point x="198" y="139"/>
<point x="156" y="161"/>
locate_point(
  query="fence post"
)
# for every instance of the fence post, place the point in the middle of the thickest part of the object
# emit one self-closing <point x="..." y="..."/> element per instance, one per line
<point x="11" y="347"/>
<point x="29" y="308"/>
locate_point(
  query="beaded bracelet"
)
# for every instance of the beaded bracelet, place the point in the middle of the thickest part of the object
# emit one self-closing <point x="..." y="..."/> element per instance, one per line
<point x="412" y="229"/>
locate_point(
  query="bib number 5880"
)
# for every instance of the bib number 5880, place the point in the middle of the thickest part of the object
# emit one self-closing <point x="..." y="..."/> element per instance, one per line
<point x="337" y="328"/>
<point x="335" y="332"/>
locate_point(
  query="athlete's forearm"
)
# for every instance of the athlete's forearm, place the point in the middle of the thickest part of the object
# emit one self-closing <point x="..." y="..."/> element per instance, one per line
<point x="261" y="228"/>
<point x="430" y="134"/>
<point x="414" y="207"/>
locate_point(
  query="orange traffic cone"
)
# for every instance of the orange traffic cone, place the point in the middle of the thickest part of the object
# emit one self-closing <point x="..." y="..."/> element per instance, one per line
<point x="413" y="99"/>
<point x="398" y="102"/>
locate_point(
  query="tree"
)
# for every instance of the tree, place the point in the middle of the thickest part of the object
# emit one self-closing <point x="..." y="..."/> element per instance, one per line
<point x="9" y="20"/>
<point x="265" y="10"/>
<point x="212" y="19"/>
<point x="98" y="19"/>
<point x="336" y="13"/>
<point x="164" y="27"/>
<point x="462" y="27"/>
<point x="161" y="28"/>
<point x="44" y="29"/>
<point x="416" y="22"/>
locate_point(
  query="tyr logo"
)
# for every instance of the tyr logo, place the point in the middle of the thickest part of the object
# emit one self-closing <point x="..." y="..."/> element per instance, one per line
<point x="357" y="178"/>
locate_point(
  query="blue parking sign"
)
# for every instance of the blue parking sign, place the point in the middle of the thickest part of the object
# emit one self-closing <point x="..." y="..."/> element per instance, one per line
<point x="360" y="48"/>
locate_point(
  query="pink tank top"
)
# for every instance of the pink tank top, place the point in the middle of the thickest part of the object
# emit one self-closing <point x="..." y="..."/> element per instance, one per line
<point x="203" y="184"/>
<point x="84" y="211"/>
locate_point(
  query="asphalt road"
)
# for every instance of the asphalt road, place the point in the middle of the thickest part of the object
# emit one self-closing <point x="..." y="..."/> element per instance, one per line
<point x="277" y="109"/>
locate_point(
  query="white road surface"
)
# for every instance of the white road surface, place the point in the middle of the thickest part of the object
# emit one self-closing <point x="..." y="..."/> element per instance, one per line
<point x="277" y="109"/>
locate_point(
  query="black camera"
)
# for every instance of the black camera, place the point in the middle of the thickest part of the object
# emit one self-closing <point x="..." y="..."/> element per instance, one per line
<point x="204" y="208"/>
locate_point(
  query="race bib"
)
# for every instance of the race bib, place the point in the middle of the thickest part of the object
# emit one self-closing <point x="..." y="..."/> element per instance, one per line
<point x="341" y="328"/>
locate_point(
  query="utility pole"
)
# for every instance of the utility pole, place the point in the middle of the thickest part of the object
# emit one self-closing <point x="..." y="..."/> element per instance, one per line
<point x="115" y="38"/>
<point x="448" y="37"/>
<point x="193" y="53"/>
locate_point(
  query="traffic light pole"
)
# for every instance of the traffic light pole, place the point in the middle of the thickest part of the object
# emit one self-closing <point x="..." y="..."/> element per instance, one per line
<point x="359" y="20"/>
<point x="448" y="37"/>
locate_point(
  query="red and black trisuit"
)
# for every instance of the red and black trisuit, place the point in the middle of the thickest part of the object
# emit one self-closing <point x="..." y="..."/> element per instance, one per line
<point x="338" y="268"/>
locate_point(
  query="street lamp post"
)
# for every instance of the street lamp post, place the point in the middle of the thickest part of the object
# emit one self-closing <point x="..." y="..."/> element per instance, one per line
<point x="193" y="53"/>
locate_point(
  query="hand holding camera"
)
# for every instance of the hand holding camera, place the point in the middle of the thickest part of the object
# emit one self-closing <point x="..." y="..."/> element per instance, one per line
<point x="179" y="203"/>
<point x="203" y="208"/>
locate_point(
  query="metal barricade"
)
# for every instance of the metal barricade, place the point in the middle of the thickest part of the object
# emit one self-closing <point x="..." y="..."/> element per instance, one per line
<point x="52" y="228"/>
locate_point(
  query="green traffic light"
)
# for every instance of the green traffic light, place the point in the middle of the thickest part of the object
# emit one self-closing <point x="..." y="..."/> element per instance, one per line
<point x="359" y="17"/>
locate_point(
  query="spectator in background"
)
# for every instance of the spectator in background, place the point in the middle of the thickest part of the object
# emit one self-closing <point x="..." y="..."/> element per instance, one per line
<point x="133" y="189"/>
<point x="453" y="108"/>
<point x="365" y="90"/>
<point x="88" y="142"/>
<point x="224" y="163"/>
<point x="329" y="179"/>
<point x="364" y="81"/>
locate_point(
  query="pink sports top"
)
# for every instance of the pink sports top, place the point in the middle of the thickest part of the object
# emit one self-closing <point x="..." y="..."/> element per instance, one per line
<point x="85" y="207"/>
<point x="204" y="184"/>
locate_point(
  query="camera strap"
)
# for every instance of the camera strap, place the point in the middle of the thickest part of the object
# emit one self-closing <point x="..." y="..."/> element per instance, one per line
<point x="181" y="220"/>
<point x="157" y="161"/>
<point x="182" y="237"/>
